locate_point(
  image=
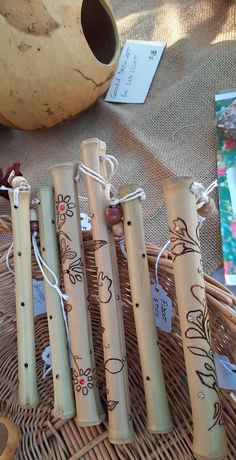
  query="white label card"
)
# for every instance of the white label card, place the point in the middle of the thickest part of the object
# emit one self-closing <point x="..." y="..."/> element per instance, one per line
<point x="39" y="297"/>
<point x="136" y="69"/>
<point x="162" y="306"/>
<point x="226" y="372"/>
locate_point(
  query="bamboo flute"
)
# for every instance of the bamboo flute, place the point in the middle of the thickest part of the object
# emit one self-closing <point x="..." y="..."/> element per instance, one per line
<point x="158" y="414"/>
<point x="63" y="391"/>
<point x="209" y="439"/>
<point x="20" y="212"/>
<point x="88" y="405"/>
<point x="115" y="361"/>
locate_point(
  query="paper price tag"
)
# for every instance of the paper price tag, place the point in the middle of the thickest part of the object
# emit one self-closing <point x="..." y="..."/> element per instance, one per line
<point x="162" y="306"/>
<point x="39" y="297"/>
<point x="85" y="221"/>
<point x="226" y="372"/>
<point x="136" y="69"/>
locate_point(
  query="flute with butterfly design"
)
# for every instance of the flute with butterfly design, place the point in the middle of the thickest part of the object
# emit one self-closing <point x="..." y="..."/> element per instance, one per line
<point x="88" y="405"/>
<point x="115" y="361"/>
<point x="209" y="439"/>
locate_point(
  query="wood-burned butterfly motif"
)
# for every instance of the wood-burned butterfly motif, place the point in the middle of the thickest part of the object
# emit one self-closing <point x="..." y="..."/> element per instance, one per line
<point x="111" y="405"/>
<point x="66" y="252"/>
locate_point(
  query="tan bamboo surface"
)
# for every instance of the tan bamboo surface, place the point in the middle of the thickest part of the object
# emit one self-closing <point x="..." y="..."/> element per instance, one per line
<point x="209" y="439"/>
<point x="27" y="386"/>
<point x="158" y="414"/>
<point x="109" y="294"/>
<point x="44" y="437"/>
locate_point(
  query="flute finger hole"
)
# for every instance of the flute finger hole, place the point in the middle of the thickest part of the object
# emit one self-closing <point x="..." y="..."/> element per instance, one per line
<point x="148" y="378"/>
<point x="22" y="304"/>
<point x="26" y="365"/>
<point x="137" y="305"/>
<point x="57" y="376"/>
<point x="143" y="256"/>
<point x="50" y="317"/>
<point x="129" y="222"/>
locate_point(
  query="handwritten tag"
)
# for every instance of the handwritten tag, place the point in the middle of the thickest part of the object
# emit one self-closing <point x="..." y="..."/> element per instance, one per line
<point x="47" y="358"/>
<point x="39" y="297"/>
<point x="162" y="306"/>
<point x="226" y="372"/>
<point x="85" y="221"/>
<point x="137" y="66"/>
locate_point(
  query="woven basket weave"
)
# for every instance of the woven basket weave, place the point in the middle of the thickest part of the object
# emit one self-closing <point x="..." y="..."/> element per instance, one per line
<point x="44" y="437"/>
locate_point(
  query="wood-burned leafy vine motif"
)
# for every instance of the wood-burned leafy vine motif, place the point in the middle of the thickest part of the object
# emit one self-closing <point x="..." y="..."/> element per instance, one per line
<point x="75" y="271"/>
<point x="64" y="207"/>
<point x="182" y="242"/>
<point x="111" y="405"/>
<point x="199" y="329"/>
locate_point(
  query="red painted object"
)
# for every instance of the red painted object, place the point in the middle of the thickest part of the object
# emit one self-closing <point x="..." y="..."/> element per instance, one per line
<point x="4" y="179"/>
<point x="113" y="215"/>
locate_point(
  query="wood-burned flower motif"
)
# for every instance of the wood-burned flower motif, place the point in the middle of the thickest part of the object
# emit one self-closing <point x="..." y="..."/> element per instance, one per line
<point x="66" y="252"/>
<point x="64" y="208"/>
<point x="75" y="271"/>
<point x="83" y="380"/>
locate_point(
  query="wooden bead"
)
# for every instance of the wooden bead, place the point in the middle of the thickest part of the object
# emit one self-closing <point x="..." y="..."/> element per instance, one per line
<point x="34" y="226"/>
<point x="113" y="215"/>
<point x="207" y="209"/>
<point x="118" y="229"/>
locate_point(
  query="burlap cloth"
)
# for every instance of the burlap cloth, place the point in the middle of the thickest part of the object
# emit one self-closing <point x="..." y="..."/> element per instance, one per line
<point x="173" y="132"/>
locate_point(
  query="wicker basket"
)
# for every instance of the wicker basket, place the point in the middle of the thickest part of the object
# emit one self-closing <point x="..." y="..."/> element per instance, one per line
<point x="44" y="437"/>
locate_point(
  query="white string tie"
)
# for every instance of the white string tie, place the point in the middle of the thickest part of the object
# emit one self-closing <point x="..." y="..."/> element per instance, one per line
<point x="41" y="263"/>
<point x="23" y="186"/>
<point x="111" y="194"/>
<point x="158" y="259"/>
<point x="8" y="261"/>
<point x="139" y="193"/>
<point x="202" y="195"/>
<point x="122" y="246"/>
<point x="35" y="201"/>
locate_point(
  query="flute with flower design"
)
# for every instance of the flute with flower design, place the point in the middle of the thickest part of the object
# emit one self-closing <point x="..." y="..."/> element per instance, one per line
<point x="63" y="392"/>
<point x="20" y="212"/>
<point x="209" y="439"/>
<point x="88" y="405"/>
<point x="115" y="361"/>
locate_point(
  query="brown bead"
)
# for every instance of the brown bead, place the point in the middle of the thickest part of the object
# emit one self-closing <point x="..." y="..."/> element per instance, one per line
<point x="34" y="226"/>
<point x="118" y="229"/>
<point x="207" y="209"/>
<point x="113" y="215"/>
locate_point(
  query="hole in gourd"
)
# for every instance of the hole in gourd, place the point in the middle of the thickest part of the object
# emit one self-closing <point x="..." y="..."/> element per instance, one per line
<point x="99" y="30"/>
<point x="3" y="437"/>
